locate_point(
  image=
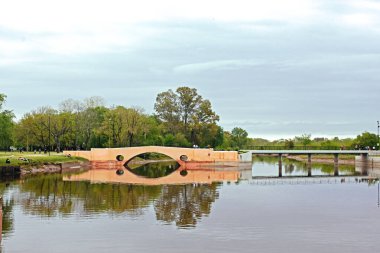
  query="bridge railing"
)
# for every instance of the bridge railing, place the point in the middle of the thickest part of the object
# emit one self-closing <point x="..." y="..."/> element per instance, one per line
<point x="295" y="148"/>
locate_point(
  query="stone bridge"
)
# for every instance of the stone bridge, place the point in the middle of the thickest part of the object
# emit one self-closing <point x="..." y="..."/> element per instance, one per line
<point x="181" y="155"/>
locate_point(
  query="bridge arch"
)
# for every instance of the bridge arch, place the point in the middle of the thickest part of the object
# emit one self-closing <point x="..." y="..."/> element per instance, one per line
<point x="125" y="162"/>
<point x="177" y="154"/>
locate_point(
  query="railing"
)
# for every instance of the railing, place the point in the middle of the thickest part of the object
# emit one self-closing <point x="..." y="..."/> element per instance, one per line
<point x="295" y="148"/>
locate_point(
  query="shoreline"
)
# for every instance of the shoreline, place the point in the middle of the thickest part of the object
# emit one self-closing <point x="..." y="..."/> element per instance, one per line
<point x="45" y="168"/>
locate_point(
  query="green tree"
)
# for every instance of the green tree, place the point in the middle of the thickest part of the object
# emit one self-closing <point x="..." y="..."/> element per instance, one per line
<point x="186" y="112"/>
<point x="289" y="144"/>
<point x="125" y="126"/>
<point x="366" y="139"/>
<point x="30" y="131"/>
<point x="189" y="103"/>
<point x="168" y="110"/>
<point x="304" y="139"/>
<point x="239" y="137"/>
<point x="6" y="125"/>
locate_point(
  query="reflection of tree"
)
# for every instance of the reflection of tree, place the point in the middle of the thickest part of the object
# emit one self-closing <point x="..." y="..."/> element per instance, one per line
<point x="155" y="170"/>
<point x="289" y="168"/>
<point x="7" y="206"/>
<point x="49" y="196"/>
<point x="7" y="216"/>
<point x="298" y="166"/>
<point x="185" y="204"/>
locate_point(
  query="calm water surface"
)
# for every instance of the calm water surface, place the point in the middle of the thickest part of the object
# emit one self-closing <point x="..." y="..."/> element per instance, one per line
<point x="93" y="212"/>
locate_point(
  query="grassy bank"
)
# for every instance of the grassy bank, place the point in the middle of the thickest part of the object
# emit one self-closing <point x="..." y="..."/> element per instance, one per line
<point x="16" y="158"/>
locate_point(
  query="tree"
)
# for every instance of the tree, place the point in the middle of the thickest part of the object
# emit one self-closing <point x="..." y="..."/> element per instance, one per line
<point x="86" y="117"/>
<point x="124" y="126"/>
<point x="289" y="144"/>
<point x="304" y="139"/>
<point x="239" y="137"/>
<point x="365" y="140"/>
<point x="6" y="125"/>
<point x="186" y="112"/>
<point x="168" y="110"/>
<point x="189" y="103"/>
<point x="31" y="131"/>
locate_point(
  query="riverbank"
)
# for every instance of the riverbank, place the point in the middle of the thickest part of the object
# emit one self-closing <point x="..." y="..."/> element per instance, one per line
<point x="30" y="163"/>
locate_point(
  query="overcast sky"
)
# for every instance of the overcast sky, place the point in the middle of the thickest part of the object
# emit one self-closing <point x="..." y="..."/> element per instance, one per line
<point x="275" y="68"/>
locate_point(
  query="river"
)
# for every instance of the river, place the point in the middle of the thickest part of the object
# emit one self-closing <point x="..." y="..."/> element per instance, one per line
<point x="209" y="210"/>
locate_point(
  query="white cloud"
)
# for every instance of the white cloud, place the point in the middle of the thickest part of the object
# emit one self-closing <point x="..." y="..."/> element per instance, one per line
<point x="42" y="15"/>
<point x="290" y="61"/>
<point x="216" y="65"/>
<point x="360" y="19"/>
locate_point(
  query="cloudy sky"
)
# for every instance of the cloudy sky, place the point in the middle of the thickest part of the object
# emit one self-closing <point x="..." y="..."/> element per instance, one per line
<point x="276" y="68"/>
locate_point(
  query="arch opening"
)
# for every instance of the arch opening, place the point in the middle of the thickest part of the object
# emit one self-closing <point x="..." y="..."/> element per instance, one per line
<point x="120" y="158"/>
<point x="183" y="158"/>
<point x="152" y="165"/>
<point x="119" y="172"/>
<point x="183" y="173"/>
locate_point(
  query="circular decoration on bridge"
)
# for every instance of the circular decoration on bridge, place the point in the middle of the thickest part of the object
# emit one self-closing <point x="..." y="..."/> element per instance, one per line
<point x="120" y="158"/>
<point x="119" y="172"/>
<point x="183" y="173"/>
<point x="183" y="158"/>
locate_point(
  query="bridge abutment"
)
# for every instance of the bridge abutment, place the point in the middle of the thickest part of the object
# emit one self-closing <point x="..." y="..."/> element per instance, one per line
<point x="336" y="164"/>
<point x="362" y="164"/>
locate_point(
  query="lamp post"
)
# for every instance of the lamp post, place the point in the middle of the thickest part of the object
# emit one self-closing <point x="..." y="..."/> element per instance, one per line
<point x="378" y="139"/>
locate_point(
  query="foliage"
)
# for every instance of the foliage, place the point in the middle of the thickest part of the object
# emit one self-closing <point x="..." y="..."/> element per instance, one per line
<point x="304" y="139"/>
<point x="366" y="140"/>
<point x="289" y="144"/>
<point x="182" y="118"/>
<point x="239" y="137"/>
<point x="185" y="111"/>
<point x="6" y="125"/>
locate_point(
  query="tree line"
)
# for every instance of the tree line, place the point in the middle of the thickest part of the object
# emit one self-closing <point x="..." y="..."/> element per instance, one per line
<point x="181" y="118"/>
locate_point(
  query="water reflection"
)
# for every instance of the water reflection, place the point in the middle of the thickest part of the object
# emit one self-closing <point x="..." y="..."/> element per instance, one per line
<point x="245" y="213"/>
<point x="153" y="170"/>
<point x="51" y="196"/>
<point x="208" y="176"/>
<point x="7" y="217"/>
<point x="273" y="167"/>
<point x="183" y="203"/>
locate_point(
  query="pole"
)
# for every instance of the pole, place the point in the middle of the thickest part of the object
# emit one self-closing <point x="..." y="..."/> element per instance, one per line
<point x="49" y="136"/>
<point x="378" y="138"/>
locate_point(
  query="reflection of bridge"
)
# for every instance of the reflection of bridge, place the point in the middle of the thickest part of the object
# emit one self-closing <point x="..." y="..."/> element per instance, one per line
<point x="181" y="155"/>
<point x="362" y="161"/>
<point x="191" y="177"/>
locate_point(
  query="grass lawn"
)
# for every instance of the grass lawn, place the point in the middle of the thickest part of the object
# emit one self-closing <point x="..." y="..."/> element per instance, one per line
<point x="36" y="159"/>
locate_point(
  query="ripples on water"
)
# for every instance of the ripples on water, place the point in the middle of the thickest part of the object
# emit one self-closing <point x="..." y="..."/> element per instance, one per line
<point x="87" y="213"/>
